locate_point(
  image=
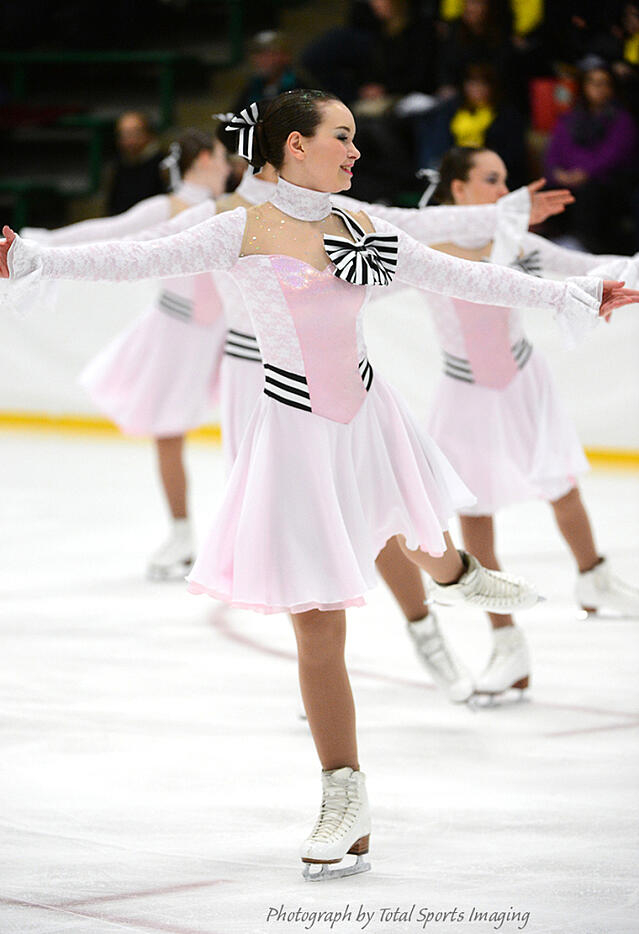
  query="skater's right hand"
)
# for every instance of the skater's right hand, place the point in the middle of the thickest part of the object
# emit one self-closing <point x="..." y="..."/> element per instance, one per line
<point x="544" y="204"/>
<point x="10" y="236"/>
<point x="614" y="296"/>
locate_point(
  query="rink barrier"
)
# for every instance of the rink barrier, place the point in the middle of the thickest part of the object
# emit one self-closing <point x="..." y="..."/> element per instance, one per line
<point x="87" y="425"/>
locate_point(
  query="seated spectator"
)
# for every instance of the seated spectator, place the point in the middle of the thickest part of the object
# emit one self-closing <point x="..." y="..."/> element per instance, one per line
<point x="272" y="70"/>
<point x="626" y="56"/>
<point x="481" y="34"/>
<point x="477" y="117"/>
<point x="136" y="173"/>
<point x="593" y="151"/>
<point x="384" y="50"/>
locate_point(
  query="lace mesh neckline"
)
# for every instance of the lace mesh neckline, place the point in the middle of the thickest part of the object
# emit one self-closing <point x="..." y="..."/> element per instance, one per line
<point x="191" y="193"/>
<point x="303" y="204"/>
<point x="255" y="190"/>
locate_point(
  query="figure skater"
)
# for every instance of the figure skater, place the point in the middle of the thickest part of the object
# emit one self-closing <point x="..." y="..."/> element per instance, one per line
<point x="498" y="417"/>
<point x="331" y="465"/>
<point x="159" y="377"/>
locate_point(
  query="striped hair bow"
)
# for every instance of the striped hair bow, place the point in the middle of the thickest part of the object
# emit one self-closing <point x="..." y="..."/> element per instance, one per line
<point x="370" y="260"/>
<point x="244" y="125"/>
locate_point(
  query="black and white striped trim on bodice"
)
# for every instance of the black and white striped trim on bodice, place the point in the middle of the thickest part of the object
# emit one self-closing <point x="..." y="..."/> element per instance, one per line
<point x="292" y="388"/>
<point x="369" y="259"/>
<point x="177" y="306"/>
<point x="366" y="372"/>
<point x="289" y="388"/>
<point x="242" y="345"/>
<point x="460" y="368"/>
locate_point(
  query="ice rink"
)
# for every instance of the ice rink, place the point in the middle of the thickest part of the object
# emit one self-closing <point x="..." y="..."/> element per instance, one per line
<point x="156" y="776"/>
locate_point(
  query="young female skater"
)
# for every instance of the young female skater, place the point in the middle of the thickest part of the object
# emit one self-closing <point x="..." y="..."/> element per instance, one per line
<point x="498" y="417"/>
<point x="159" y="376"/>
<point x="331" y="465"/>
<point x="241" y="375"/>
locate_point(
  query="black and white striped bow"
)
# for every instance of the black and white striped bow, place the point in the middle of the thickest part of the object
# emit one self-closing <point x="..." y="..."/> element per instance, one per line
<point x="370" y="260"/>
<point x="244" y="125"/>
<point x="529" y="262"/>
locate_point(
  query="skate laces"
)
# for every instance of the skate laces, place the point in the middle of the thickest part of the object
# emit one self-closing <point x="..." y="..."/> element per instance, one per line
<point x="492" y="585"/>
<point x="337" y="813"/>
<point x="434" y="649"/>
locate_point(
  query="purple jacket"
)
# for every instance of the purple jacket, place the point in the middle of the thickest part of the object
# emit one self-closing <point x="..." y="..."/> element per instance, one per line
<point x="599" y="159"/>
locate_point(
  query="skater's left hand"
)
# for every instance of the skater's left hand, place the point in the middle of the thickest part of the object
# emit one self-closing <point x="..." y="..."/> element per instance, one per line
<point x="614" y="296"/>
<point x="10" y="236"/>
<point x="544" y="204"/>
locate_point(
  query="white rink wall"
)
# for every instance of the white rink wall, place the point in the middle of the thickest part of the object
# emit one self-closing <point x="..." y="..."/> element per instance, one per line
<point x="42" y="355"/>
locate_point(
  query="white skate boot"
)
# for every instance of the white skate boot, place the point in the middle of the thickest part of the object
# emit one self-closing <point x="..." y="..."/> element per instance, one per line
<point x="491" y="591"/>
<point x="343" y="826"/>
<point x="175" y="557"/>
<point x="444" y="667"/>
<point x="598" y="589"/>
<point x="509" y="664"/>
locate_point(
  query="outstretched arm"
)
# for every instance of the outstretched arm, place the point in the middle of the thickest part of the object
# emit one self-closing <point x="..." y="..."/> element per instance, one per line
<point x="182" y="221"/>
<point x="149" y="212"/>
<point x="517" y="210"/>
<point x="576" y="302"/>
<point x="214" y="244"/>
<point x="560" y="261"/>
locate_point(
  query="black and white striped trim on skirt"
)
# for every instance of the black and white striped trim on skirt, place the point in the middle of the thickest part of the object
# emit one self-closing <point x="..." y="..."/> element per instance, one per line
<point x="460" y="368"/>
<point x="241" y="345"/>
<point x="292" y="388"/>
<point x="177" y="306"/>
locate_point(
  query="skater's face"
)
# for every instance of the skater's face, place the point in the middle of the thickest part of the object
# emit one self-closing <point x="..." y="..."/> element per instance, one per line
<point x="324" y="161"/>
<point x="486" y="181"/>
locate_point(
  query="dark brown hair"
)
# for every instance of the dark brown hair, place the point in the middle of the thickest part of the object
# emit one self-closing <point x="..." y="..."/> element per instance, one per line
<point x="289" y="112"/>
<point x="457" y="163"/>
<point x="192" y="143"/>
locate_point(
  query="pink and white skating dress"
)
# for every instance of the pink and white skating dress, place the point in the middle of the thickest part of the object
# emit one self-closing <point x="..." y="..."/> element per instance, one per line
<point x="332" y="463"/>
<point x="497" y="413"/>
<point x="241" y="377"/>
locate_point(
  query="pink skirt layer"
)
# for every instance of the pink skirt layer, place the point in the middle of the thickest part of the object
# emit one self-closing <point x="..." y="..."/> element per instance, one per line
<point x="159" y="377"/>
<point x="241" y="385"/>
<point x="311" y="502"/>
<point x="509" y="445"/>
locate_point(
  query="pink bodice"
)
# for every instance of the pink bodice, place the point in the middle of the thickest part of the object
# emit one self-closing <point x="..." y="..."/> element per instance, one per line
<point x="307" y="326"/>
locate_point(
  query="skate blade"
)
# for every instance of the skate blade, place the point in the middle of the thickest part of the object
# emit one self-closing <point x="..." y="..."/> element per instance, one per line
<point x="326" y="873"/>
<point x="174" y="573"/>
<point x="487" y="700"/>
<point x="593" y="614"/>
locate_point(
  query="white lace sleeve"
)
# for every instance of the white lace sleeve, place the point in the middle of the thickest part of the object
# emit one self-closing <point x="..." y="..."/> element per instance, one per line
<point x="214" y="244"/>
<point x="182" y="221"/>
<point x="574" y="302"/>
<point x="149" y="212"/>
<point x="557" y="260"/>
<point x="437" y="224"/>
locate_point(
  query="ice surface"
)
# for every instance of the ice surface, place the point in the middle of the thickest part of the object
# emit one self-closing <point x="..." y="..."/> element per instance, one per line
<point x="155" y="776"/>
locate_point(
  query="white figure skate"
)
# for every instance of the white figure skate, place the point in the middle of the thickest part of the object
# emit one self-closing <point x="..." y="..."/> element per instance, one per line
<point x="491" y="591"/>
<point x="508" y="666"/>
<point x="444" y="667"/>
<point x="343" y="826"/>
<point x="174" y="559"/>
<point x="599" y="589"/>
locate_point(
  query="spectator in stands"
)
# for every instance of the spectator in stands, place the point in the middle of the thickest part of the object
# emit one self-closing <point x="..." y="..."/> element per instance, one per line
<point x="481" y="34"/>
<point x="626" y="56"/>
<point x="477" y="116"/>
<point x="593" y="151"/>
<point x="136" y="173"/>
<point x="272" y="71"/>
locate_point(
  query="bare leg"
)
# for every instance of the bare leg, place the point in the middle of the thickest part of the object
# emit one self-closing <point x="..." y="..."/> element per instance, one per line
<point x="576" y="530"/>
<point x="325" y="687"/>
<point x="478" y="533"/>
<point x="403" y="579"/>
<point x="172" y="473"/>
<point x="445" y="570"/>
